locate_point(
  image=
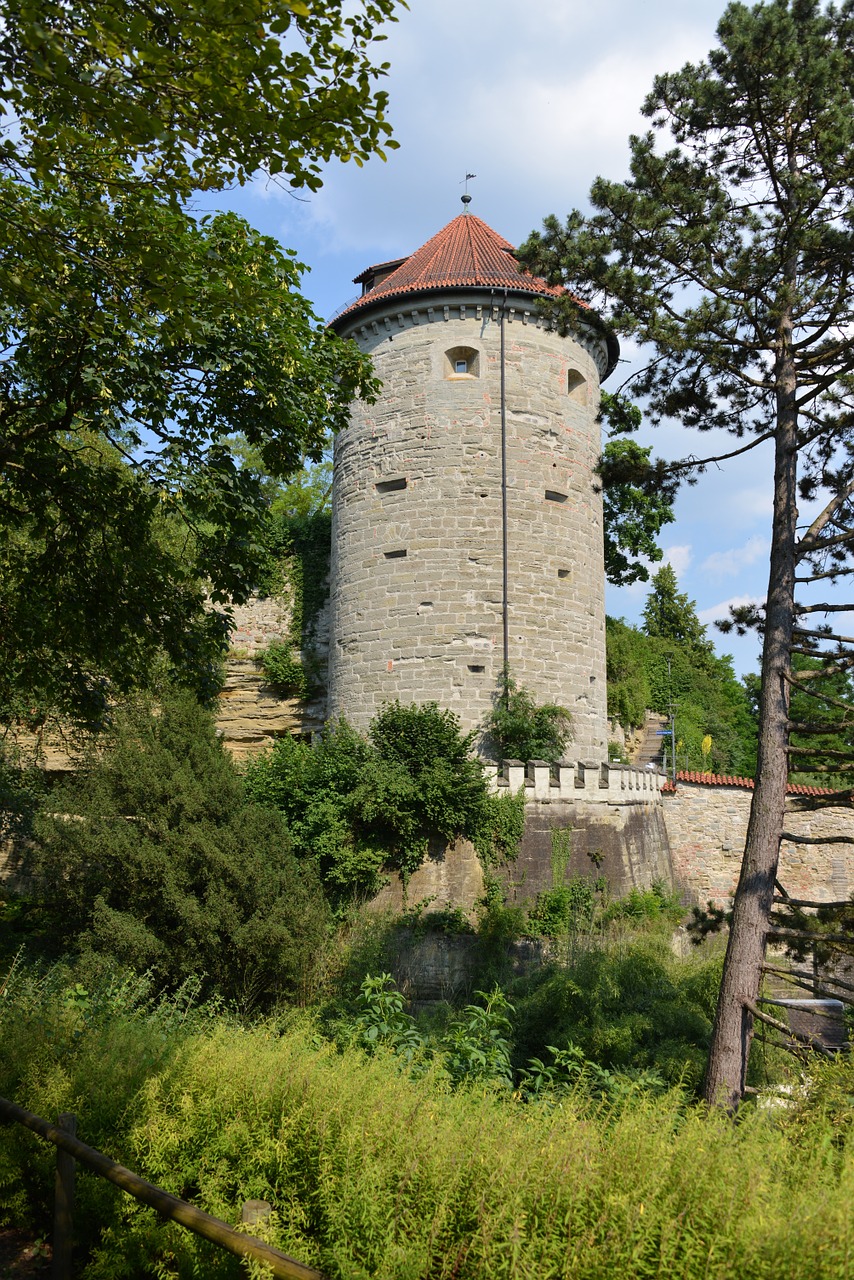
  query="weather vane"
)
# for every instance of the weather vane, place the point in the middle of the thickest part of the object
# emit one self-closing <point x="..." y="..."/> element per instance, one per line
<point x="466" y="199"/>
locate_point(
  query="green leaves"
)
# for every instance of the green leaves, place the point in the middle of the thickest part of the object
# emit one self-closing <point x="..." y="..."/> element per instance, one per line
<point x="359" y="807"/>
<point x="201" y="96"/>
<point x="637" y="496"/>
<point x="519" y="729"/>
<point x="165" y="866"/>
<point x="136" y="339"/>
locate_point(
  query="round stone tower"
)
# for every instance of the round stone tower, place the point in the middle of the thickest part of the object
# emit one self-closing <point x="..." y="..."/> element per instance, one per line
<point x="467" y="525"/>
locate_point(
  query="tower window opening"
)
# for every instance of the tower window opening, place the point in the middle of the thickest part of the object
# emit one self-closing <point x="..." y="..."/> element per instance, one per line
<point x="477" y="670"/>
<point x="391" y="486"/>
<point x="576" y="386"/>
<point x="563" y="573"/>
<point x="462" y="362"/>
<point x="552" y="495"/>
<point x="395" y="555"/>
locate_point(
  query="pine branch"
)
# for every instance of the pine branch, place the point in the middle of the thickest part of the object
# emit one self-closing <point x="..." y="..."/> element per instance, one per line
<point x="793" y="839"/>
<point x="804" y="935"/>
<point x="822" y="518"/>
<point x="814" y="979"/>
<point x="824" y="635"/>
<point x="842" y="572"/>
<point x="824" y="608"/>
<point x="810" y="1042"/>
<point x="802" y="902"/>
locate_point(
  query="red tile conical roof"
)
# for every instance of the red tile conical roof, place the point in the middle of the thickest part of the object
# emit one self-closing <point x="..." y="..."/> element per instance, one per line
<point x="466" y="252"/>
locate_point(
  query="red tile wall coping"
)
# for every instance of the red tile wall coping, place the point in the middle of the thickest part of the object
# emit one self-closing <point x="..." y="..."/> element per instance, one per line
<point x="728" y="780"/>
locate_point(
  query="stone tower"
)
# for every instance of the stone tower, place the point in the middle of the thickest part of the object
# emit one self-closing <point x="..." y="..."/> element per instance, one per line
<point x="467" y="526"/>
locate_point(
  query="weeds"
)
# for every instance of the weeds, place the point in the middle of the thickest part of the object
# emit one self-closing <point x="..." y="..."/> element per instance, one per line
<point x="373" y="1173"/>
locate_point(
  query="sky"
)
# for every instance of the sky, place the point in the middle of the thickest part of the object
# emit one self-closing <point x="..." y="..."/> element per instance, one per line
<point x="536" y="100"/>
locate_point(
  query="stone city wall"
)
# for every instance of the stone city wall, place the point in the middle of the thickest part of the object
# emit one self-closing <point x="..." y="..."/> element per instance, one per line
<point x="706" y="828"/>
<point x="615" y="825"/>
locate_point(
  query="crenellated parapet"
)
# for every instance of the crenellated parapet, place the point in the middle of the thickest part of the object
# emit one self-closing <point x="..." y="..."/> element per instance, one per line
<point x="596" y="783"/>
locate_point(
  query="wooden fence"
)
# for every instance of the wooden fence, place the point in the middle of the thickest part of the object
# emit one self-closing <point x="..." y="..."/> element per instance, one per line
<point x="71" y="1150"/>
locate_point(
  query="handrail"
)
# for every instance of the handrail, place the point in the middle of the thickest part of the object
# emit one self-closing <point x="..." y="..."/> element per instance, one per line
<point x="201" y="1223"/>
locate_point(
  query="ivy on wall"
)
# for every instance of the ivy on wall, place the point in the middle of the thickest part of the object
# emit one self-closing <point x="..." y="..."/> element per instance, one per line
<point x="296" y="565"/>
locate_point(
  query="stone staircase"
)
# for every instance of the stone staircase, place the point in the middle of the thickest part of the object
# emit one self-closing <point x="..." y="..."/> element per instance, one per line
<point x="650" y="747"/>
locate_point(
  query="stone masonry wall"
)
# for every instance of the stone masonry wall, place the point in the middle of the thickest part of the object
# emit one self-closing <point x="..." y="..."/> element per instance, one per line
<point x="251" y="715"/>
<point x="417" y="540"/>
<point x="706" y="827"/>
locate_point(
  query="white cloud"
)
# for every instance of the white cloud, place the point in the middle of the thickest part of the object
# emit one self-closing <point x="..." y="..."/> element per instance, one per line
<point x="720" y="611"/>
<point x="679" y="558"/>
<point x="726" y="564"/>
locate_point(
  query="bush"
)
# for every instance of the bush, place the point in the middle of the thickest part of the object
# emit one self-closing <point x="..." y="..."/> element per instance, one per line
<point x="519" y="729"/>
<point x="283" y="670"/>
<point x="153" y="857"/>
<point x="359" y="806"/>
<point x="625" y="1006"/>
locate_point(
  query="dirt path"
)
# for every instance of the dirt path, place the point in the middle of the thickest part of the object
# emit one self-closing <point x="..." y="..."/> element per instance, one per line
<point x="21" y="1257"/>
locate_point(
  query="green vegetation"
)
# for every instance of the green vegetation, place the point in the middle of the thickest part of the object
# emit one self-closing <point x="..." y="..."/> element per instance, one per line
<point x="518" y="728"/>
<point x="357" y="805"/>
<point x="138" y="338"/>
<point x="374" y="1170"/>
<point x="637" y="499"/>
<point x="152" y="858"/>
<point x="672" y="660"/>
<point x="460" y="1142"/>
<point x="284" y="671"/>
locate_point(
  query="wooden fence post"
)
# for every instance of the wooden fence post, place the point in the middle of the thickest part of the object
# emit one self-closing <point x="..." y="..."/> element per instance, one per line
<point x="63" y="1208"/>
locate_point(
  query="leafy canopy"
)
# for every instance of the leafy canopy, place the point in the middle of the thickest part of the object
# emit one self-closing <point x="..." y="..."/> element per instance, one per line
<point x="136" y="338"/>
<point x="196" y="97"/>
<point x="637" y="499"/>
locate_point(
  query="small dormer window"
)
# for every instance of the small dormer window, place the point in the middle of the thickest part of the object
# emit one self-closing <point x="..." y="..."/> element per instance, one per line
<point x="462" y="362"/>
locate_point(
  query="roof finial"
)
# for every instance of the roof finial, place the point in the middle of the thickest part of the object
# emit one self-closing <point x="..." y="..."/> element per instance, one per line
<point x="466" y="199"/>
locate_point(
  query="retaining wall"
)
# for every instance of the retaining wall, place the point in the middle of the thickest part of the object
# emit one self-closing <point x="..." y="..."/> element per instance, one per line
<point x="707" y="825"/>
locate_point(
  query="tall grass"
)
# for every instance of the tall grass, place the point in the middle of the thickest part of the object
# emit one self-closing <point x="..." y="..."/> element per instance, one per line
<point x="374" y="1174"/>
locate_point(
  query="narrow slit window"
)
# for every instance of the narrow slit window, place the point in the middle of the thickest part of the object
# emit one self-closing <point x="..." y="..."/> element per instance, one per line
<point x="391" y="486"/>
<point x="395" y="555"/>
<point x="553" y="495"/>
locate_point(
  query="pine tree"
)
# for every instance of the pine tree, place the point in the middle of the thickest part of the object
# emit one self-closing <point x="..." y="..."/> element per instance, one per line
<point x="729" y="250"/>
<point x="670" y="614"/>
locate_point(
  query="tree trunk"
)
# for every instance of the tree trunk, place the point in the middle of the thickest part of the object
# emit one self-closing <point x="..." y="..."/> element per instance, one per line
<point x="726" y="1076"/>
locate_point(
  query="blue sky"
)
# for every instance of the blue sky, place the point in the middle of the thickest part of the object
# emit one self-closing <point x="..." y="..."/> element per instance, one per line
<point x="536" y="100"/>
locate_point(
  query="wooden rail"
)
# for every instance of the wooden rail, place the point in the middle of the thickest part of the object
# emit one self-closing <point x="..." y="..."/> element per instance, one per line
<point x="195" y="1220"/>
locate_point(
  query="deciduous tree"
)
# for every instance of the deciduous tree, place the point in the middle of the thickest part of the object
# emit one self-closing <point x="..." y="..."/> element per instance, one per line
<point x="136" y="337"/>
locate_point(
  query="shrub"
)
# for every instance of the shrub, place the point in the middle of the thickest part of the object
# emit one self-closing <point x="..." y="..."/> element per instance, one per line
<point x="519" y="729"/>
<point x="283" y="670"/>
<point x="567" y="908"/>
<point x="625" y="1006"/>
<point x="357" y="806"/>
<point x="373" y="1173"/>
<point x="154" y="858"/>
